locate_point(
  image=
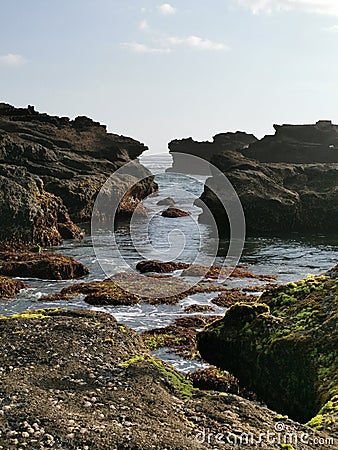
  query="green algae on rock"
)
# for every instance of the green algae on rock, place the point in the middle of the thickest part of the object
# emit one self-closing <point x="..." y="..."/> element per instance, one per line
<point x="78" y="379"/>
<point x="284" y="347"/>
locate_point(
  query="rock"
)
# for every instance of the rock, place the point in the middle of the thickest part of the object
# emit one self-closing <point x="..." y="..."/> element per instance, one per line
<point x="160" y="266"/>
<point x="276" y="197"/>
<point x="41" y="265"/>
<point x="284" y="348"/>
<point x="29" y="214"/>
<point x="79" y="379"/>
<point x="166" y="201"/>
<point x="214" y="379"/>
<point x="180" y="337"/>
<point x="198" y="308"/>
<point x="205" y="150"/>
<point x="9" y="288"/>
<point x="128" y="288"/>
<point x="297" y="144"/>
<point x="52" y="168"/>
<point x="174" y="212"/>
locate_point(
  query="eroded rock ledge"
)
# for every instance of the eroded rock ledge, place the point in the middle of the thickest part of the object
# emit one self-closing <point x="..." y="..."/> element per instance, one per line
<point x="51" y="169"/>
<point x="286" y="182"/>
<point x="284" y="348"/>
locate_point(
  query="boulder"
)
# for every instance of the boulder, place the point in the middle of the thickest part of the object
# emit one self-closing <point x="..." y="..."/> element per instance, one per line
<point x="284" y="348"/>
<point x="174" y="212"/>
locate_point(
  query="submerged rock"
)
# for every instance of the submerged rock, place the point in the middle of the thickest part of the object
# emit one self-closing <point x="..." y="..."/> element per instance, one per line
<point x="51" y="170"/>
<point x="284" y="347"/>
<point x="79" y="379"/>
<point x="41" y="265"/>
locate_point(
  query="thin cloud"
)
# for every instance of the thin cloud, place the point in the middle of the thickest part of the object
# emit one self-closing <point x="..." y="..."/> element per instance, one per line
<point x="137" y="47"/>
<point x="333" y="29"/>
<point x="328" y="7"/>
<point x="12" y="60"/>
<point x="166" y="9"/>
<point x="143" y="25"/>
<point x="198" y="43"/>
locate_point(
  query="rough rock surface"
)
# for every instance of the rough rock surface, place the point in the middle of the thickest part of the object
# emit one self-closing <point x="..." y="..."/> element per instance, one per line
<point x="9" y="288"/>
<point x="278" y="196"/>
<point x="284" y="348"/>
<point x="205" y="150"/>
<point x="78" y="379"/>
<point x="41" y="265"/>
<point x="298" y="144"/>
<point x="53" y="166"/>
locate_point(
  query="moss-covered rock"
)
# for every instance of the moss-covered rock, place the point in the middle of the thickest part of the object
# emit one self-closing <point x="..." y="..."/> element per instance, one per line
<point x="284" y="347"/>
<point x="78" y="379"/>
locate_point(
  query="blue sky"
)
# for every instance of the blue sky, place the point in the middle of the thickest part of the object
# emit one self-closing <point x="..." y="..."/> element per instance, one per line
<point x="158" y="71"/>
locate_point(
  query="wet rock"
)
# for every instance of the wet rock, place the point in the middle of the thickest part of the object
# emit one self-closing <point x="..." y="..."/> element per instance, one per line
<point x="128" y="288"/>
<point x="9" y="288"/>
<point x="197" y="308"/>
<point x="212" y="378"/>
<point x="232" y="296"/>
<point x="284" y="348"/>
<point x="180" y="337"/>
<point x="159" y="266"/>
<point x="174" y="212"/>
<point x="41" y="265"/>
<point x="79" y="379"/>
<point x="166" y="201"/>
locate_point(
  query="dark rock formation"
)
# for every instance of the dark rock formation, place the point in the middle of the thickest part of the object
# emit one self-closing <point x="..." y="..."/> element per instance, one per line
<point x="53" y="167"/>
<point x="41" y="265"/>
<point x="160" y="266"/>
<point x="295" y="192"/>
<point x="9" y="288"/>
<point x="284" y="348"/>
<point x="78" y="379"/>
<point x="298" y="144"/>
<point x="205" y="150"/>
<point x="174" y="212"/>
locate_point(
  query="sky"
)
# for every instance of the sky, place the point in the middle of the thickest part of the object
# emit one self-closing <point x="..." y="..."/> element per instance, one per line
<point x="158" y="71"/>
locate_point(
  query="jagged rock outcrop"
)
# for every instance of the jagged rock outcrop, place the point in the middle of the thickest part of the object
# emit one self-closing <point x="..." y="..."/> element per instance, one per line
<point x="298" y="144"/>
<point x="284" y="348"/>
<point x="296" y="190"/>
<point x="205" y="150"/>
<point x="51" y="169"/>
